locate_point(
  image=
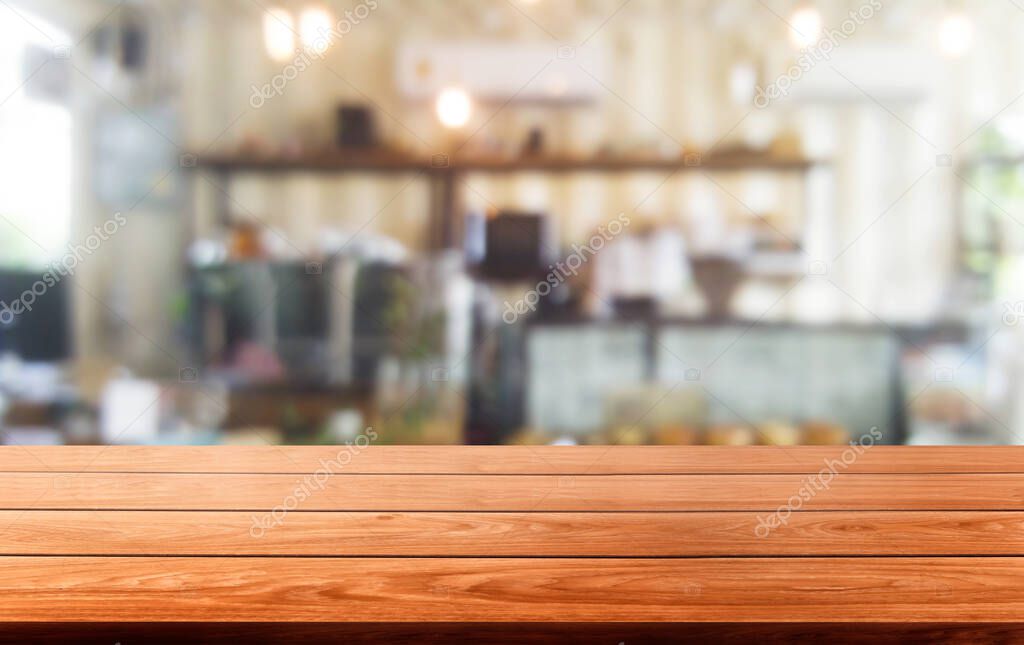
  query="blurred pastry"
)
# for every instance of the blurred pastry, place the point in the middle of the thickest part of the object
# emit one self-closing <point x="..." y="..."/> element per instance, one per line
<point x="676" y="435"/>
<point x="528" y="437"/>
<point x="252" y="436"/>
<point x="824" y="433"/>
<point x="729" y="435"/>
<point x="628" y="436"/>
<point x="778" y="433"/>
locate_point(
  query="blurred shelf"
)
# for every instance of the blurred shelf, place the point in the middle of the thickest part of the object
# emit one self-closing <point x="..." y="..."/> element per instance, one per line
<point x="910" y="333"/>
<point x="395" y="162"/>
<point x="368" y="161"/>
<point x="443" y="171"/>
<point x="736" y="162"/>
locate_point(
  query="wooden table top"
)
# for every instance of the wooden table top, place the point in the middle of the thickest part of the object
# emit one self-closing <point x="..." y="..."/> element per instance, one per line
<point x="475" y="536"/>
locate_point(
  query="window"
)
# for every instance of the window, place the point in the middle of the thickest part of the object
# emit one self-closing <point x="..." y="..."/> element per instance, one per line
<point x="35" y="141"/>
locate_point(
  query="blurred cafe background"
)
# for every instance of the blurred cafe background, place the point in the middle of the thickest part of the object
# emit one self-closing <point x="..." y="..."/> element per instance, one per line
<point x="511" y="221"/>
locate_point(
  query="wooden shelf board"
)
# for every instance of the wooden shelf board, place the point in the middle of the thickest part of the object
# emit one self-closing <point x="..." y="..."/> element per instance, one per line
<point x="397" y="162"/>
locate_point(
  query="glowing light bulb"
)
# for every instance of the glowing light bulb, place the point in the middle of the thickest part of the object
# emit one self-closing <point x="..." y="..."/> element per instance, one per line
<point x="805" y="26"/>
<point x="279" y="34"/>
<point x="956" y="34"/>
<point x="315" y="28"/>
<point x="454" y="107"/>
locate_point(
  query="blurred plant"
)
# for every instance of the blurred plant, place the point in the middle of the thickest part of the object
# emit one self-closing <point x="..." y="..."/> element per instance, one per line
<point x="414" y="332"/>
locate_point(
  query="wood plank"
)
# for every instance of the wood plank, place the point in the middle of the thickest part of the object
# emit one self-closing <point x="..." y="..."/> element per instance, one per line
<point x="509" y="493"/>
<point x="508" y="590"/>
<point x="490" y="460"/>
<point x="520" y="633"/>
<point x="389" y="161"/>
<point x="508" y="534"/>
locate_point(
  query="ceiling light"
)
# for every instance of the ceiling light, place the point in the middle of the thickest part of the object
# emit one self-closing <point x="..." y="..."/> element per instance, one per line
<point x="956" y="33"/>
<point x="805" y="26"/>
<point x="315" y="28"/>
<point x="454" y="107"/>
<point x="279" y="34"/>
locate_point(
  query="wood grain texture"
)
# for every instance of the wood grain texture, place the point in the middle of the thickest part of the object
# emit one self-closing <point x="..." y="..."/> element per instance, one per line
<point x="376" y="161"/>
<point x="510" y="590"/>
<point x="509" y="460"/>
<point x="161" y="491"/>
<point x="508" y="534"/>
<point x="483" y="540"/>
<point x="501" y="634"/>
<point x="521" y="633"/>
